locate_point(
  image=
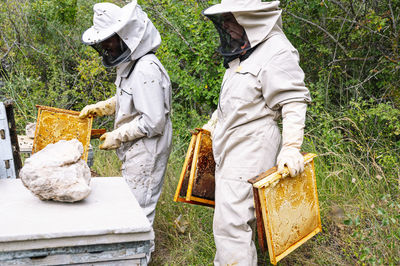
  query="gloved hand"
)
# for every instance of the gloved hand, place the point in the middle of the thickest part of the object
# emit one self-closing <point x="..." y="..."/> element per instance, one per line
<point x="110" y="141"/>
<point x="210" y="125"/>
<point x="106" y="107"/>
<point x="293" y="119"/>
<point x="292" y="158"/>
<point x="127" y="132"/>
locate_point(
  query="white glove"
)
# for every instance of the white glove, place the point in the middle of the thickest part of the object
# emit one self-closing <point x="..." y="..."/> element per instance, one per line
<point x="293" y="119"/>
<point x="110" y="141"/>
<point x="106" y="107"/>
<point x="127" y="132"/>
<point x="210" y="125"/>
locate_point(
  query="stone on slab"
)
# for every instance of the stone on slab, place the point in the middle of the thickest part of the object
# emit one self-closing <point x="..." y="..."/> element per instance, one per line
<point x="57" y="172"/>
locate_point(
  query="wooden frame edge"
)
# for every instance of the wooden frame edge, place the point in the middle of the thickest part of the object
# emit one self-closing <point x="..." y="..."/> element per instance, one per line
<point x="201" y="200"/>
<point x="194" y="162"/>
<point x="267" y="227"/>
<point x="298" y="244"/>
<point x="184" y="168"/>
<point x="182" y="199"/>
<point x="58" y="110"/>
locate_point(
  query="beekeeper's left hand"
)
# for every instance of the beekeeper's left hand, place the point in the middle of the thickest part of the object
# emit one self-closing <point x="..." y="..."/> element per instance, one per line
<point x="212" y="122"/>
<point x="127" y="132"/>
<point x="110" y="141"/>
<point x="293" y="119"/>
<point x="292" y="158"/>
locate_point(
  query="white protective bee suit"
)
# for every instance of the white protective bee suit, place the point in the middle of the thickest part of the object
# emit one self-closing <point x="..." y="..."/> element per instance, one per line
<point x="256" y="91"/>
<point x="142" y="104"/>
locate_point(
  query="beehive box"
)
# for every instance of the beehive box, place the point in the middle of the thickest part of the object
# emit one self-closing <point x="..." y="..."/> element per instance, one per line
<point x="196" y="183"/>
<point x="54" y="124"/>
<point x="287" y="209"/>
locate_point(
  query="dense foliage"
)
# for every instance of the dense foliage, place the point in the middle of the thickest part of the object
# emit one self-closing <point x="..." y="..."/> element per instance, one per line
<point x="350" y="54"/>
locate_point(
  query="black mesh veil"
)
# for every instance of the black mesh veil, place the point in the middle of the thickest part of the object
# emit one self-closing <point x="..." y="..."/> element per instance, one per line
<point x="110" y="59"/>
<point x="232" y="35"/>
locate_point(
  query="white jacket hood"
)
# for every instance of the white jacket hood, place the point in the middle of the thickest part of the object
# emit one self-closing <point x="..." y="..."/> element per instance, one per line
<point x="129" y="22"/>
<point x="257" y="18"/>
<point x="140" y="35"/>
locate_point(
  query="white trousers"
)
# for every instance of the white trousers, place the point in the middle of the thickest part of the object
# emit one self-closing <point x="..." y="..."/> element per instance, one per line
<point x="234" y="214"/>
<point x="144" y="172"/>
<point x="233" y="221"/>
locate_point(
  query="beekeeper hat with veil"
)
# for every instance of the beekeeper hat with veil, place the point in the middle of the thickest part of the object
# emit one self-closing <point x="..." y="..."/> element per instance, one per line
<point x="255" y="18"/>
<point x="135" y="32"/>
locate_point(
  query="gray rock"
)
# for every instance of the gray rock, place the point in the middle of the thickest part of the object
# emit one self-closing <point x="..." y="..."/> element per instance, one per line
<point x="57" y="172"/>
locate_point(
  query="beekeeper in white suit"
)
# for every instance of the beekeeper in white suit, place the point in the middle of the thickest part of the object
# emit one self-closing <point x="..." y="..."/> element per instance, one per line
<point x="262" y="83"/>
<point x="127" y="39"/>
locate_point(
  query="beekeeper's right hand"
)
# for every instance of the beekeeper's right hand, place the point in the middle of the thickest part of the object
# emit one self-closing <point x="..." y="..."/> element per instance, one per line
<point x="106" y="107"/>
<point x="210" y="126"/>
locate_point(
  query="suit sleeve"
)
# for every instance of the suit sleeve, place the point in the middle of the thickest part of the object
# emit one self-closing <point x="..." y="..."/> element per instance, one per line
<point x="148" y="98"/>
<point x="282" y="80"/>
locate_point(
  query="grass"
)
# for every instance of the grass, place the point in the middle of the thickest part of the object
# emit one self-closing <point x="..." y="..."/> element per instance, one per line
<point x="360" y="214"/>
<point x="105" y="163"/>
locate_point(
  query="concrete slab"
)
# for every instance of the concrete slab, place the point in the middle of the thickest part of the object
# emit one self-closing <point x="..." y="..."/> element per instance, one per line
<point x="110" y="214"/>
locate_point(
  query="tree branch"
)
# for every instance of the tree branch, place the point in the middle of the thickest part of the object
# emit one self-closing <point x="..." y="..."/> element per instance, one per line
<point x="320" y="28"/>
<point x="8" y="51"/>
<point x="166" y="21"/>
<point x="365" y="80"/>
<point x="338" y="4"/>
<point x="371" y="58"/>
<point x="33" y="48"/>
<point x="392" y="15"/>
